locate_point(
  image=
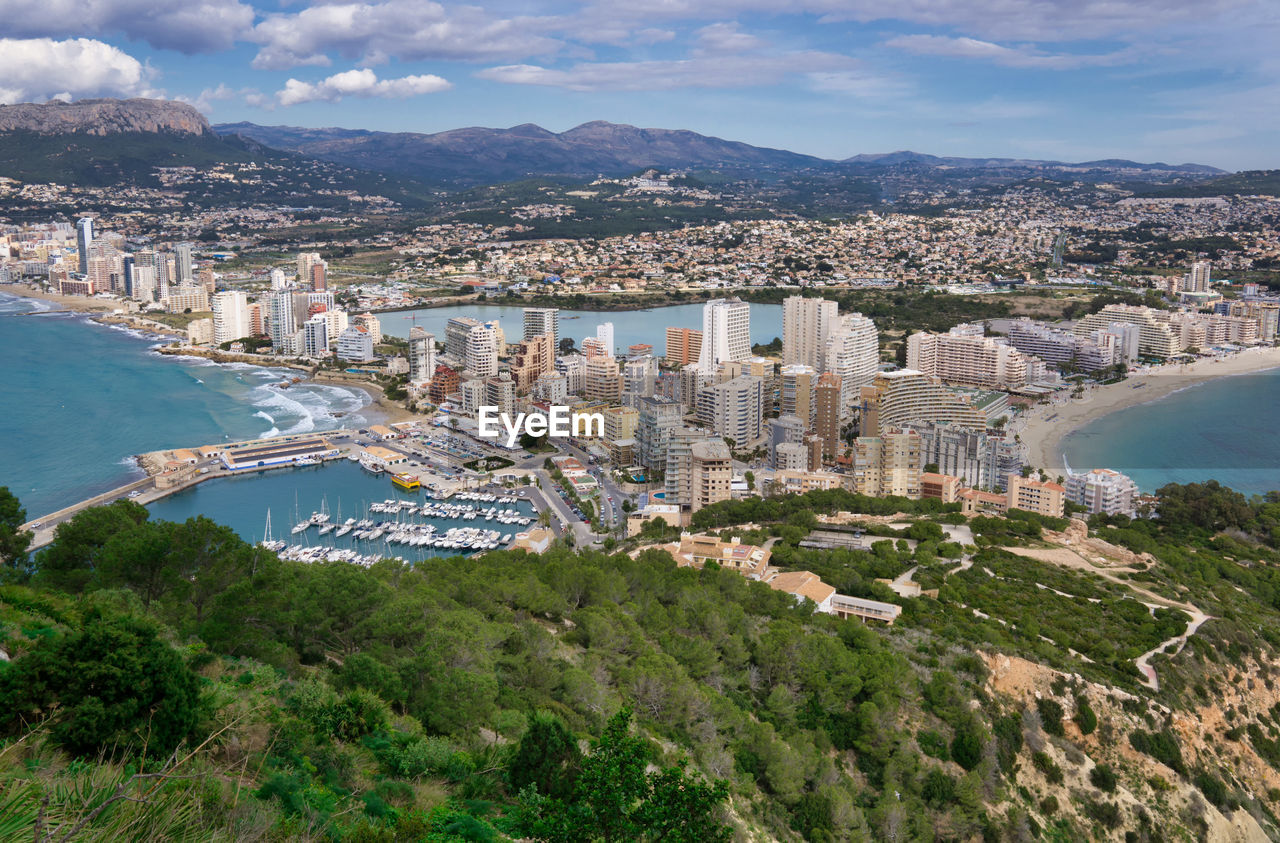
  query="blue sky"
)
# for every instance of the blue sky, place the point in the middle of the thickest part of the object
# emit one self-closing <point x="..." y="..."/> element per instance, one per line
<point x="1170" y="80"/>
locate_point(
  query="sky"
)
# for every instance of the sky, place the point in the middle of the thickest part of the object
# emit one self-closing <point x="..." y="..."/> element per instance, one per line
<point x="1149" y="80"/>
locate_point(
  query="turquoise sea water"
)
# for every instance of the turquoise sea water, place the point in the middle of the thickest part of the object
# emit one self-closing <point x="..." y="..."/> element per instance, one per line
<point x="629" y="326"/>
<point x="1224" y="429"/>
<point x="81" y="399"/>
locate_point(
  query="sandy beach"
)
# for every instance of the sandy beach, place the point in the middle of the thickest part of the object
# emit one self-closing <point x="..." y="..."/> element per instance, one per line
<point x="81" y="304"/>
<point x="1043" y="428"/>
<point x="389" y="411"/>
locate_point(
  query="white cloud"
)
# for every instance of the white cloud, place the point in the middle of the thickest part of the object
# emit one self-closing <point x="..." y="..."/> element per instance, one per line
<point x="410" y="30"/>
<point x="727" y="38"/>
<point x="190" y="26"/>
<point x="359" y="83"/>
<point x="1023" y="55"/>
<point x="699" y="72"/>
<point x="42" y="68"/>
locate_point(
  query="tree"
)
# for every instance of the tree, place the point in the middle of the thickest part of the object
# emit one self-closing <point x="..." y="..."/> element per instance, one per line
<point x="546" y="759"/>
<point x="71" y="562"/>
<point x="112" y="686"/>
<point x="614" y="799"/>
<point x="13" y="541"/>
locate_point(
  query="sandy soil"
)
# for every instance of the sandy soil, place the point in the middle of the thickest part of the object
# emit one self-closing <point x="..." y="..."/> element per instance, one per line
<point x="81" y="304"/>
<point x="1043" y="428"/>
<point x="382" y="410"/>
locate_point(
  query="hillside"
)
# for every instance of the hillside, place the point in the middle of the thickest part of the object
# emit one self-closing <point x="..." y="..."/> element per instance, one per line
<point x="1111" y="165"/>
<point x="103" y="117"/>
<point x="517" y="696"/>
<point x="473" y="156"/>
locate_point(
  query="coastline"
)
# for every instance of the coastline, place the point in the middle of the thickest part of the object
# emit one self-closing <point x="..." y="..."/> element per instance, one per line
<point x="1043" y="428"/>
<point x="79" y="304"/>
<point x="389" y="411"/>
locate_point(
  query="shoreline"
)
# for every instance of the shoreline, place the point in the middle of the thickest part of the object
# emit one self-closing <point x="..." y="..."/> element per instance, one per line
<point x="79" y="304"/>
<point x="1043" y="428"/>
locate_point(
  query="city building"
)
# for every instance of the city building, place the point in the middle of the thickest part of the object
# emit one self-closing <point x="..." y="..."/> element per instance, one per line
<point x="535" y="358"/>
<point x="371" y="325"/>
<point x="711" y="473"/>
<point x="734" y="409"/>
<point x="444" y="383"/>
<point x="620" y="423"/>
<point x="1155" y="336"/>
<point x="657" y="418"/>
<point x="684" y="346"/>
<point x="574" y="369"/>
<point x="315" y="337"/>
<point x="980" y="458"/>
<point x="184" y="263"/>
<point x="543" y="320"/>
<point x="1041" y="497"/>
<point x="355" y="345"/>
<point x="84" y="239"/>
<point x="828" y="413"/>
<point x="807" y="323"/>
<point x="200" y="332"/>
<point x="422" y="355"/>
<point x="284" y="321"/>
<point x="1198" y="278"/>
<point x="604" y="336"/>
<point x="888" y="464"/>
<point x="905" y="396"/>
<point x="959" y="358"/>
<point x="188" y="299"/>
<point x="230" y="316"/>
<point x="1100" y="349"/>
<point x="726" y="332"/>
<point x="797" y="392"/>
<point x="852" y="354"/>
<point x="601" y="380"/>
<point x="1103" y="491"/>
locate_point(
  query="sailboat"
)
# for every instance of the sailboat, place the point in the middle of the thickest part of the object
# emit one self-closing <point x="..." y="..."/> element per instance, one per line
<point x="268" y="541"/>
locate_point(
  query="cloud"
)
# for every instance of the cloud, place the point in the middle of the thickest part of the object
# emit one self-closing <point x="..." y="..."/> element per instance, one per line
<point x="1024" y="20"/>
<point x="189" y="26"/>
<point x="42" y="68"/>
<point x="1023" y="55"/>
<point x="359" y="83"/>
<point x="698" y="72"/>
<point x="727" y="38"/>
<point x="409" y="30"/>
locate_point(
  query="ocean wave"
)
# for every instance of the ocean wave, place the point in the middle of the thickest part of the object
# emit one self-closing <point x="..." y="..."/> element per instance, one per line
<point x="266" y="397"/>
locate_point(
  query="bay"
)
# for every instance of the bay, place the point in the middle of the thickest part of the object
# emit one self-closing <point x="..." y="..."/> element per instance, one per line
<point x="1223" y="429"/>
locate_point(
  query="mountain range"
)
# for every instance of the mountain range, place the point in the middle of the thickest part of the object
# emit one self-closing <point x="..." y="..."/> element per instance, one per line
<point x="88" y="139"/>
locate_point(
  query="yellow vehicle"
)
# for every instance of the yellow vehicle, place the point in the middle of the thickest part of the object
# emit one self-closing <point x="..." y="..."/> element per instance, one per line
<point x="406" y="481"/>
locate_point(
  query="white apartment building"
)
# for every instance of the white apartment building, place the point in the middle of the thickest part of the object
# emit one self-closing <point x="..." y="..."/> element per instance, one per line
<point x="726" y="332"/>
<point x="1103" y="490"/>
<point x="807" y="323"/>
<point x="972" y="361"/>
<point x="230" y="316"/>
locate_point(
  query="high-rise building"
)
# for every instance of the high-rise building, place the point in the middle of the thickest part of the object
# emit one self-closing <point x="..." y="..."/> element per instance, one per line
<point x="797" y="398"/>
<point x="315" y="337"/>
<point x="305" y="261"/>
<point x="543" y="320"/>
<point x="355" y="345"/>
<point x="827" y="416"/>
<point x="602" y="380"/>
<point x="574" y="369"/>
<point x="981" y="459"/>
<point x="698" y="469"/>
<point x="959" y="358"/>
<point x="904" y="396"/>
<point x="284" y="320"/>
<point x="1103" y="491"/>
<point x="807" y="324"/>
<point x="1155" y="337"/>
<point x="1198" y="277"/>
<point x="84" y="239"/>
<point x="185" y="263"/>
<point x="784" y="430"/>
<point x="684" y="346"/>
<point x="535" y="357"/>
<point x="657" y="418"/>
<point x="553" y="389"/>
<point x="726" y="332"/>
<point x="446" y="382"/>
<point x="604" y="333"/>
<point x="1098" y="350"/>
<point x="620" y="423"/>
<point x="734" y="409"/>
<point x="888" y="464"/>
<point x="852" y="354"/>
<point x="639" y="375"/>
<point x="278" y="279"/>
<point x="456" y="332"/>
<point x="422" y="355"/>
<point x="473" y="343"/>
<point x="230" y="316"/>
<point x="371" y="325"/>
<point x="319" y="276"/>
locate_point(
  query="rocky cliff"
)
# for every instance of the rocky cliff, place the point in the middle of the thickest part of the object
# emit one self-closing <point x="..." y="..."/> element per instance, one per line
<point x="104" y="117"/>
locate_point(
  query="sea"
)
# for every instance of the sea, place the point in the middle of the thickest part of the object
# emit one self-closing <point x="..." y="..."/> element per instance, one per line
<point x="1223" y="429"/>
<point x="82" y="399"/>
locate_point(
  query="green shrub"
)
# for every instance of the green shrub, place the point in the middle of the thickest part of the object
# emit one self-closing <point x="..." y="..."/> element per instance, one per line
<point x="1051" y="715"/>
<point x="1045" y="764"/>
<point x="1103" y="778"/>
<point x="1085" y="718"/>
<point x="1162" y="746"/>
